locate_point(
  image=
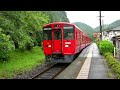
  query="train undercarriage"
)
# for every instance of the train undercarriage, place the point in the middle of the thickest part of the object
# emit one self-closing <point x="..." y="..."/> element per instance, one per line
<point x="59" y="58"/>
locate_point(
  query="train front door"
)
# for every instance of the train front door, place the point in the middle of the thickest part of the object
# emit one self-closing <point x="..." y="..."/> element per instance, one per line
<point x="57" y="41"/>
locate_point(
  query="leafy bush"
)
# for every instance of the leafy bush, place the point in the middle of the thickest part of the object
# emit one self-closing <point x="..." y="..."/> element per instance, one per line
<point x="106" y="46"/>
<point x="25" y="42"/>
<point x="113" y="63"/>
<point x="5" y="46"/>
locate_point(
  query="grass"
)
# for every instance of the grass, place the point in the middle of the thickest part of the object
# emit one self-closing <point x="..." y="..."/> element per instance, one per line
<point x="20" y="62"/>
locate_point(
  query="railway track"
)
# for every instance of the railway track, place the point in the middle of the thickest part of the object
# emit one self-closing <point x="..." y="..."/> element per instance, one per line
<point x="51" y="71"/>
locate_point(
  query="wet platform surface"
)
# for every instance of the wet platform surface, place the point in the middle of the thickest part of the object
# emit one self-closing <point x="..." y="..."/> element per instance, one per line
<point x="98" y="67"/>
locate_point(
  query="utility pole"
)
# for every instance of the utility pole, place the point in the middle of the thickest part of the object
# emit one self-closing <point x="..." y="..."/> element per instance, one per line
<point x="100" y="26"/>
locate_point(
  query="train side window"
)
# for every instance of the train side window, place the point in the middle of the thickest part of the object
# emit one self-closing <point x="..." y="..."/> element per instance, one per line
<point x="68" y="32"/>
<point x="76" y="35"/>
<point x="47" y="34"/>
<point x="81" y="37"/>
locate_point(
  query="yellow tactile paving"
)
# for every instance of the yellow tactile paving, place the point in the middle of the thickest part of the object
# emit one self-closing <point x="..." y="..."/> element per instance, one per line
<point x="83" y="74"/>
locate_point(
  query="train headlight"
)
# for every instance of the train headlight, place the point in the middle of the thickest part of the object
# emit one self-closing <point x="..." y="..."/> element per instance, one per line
<point x="66" y="45"/>
<point x="49" y="45"/>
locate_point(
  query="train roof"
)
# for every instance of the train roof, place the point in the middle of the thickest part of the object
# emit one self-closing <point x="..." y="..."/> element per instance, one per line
<point x="58" y="23"/>
<point x="62" y="23"/>
<point x="78" y="28"/>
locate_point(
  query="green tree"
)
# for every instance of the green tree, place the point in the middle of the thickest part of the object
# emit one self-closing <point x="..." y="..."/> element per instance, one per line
<point x="6" y="45"/>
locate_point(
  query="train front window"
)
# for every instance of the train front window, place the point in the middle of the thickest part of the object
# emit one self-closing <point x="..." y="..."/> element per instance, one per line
<point x="57" y="34"/>
<point x="68" y="32"/>
<point x="47" y="34"/>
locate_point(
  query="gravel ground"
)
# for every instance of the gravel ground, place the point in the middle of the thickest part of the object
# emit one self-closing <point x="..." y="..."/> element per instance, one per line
<point x="30" y="74"/>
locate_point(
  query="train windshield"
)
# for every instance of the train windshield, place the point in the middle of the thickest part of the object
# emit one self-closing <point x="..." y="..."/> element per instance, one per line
<point x="57" y="34"/>
<point x="68" y="32"/>
<point x="47" y="33"/>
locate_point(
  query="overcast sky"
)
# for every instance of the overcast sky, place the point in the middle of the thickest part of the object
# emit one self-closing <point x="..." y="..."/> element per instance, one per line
<point x="91" y="17"/>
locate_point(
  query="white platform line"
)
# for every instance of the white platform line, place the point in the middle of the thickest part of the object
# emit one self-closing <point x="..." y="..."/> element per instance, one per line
<point x="83" y="74"/>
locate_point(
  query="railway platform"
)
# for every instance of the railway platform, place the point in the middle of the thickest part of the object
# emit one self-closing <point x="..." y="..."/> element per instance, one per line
<point x="89" y="65"/>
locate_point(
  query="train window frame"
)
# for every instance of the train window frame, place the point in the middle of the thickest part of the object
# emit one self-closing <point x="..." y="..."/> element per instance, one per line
<point x="65" y="28"/>
<point x="49" y="34"/>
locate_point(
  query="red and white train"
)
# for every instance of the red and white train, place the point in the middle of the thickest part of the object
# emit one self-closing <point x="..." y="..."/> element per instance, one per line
<point x="62" y="41"/>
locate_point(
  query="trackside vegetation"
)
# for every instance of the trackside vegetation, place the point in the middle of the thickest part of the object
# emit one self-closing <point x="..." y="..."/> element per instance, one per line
<point x="106" y="49"/>
<point x="113" y="63"/>
<point x="20" y="62"/>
